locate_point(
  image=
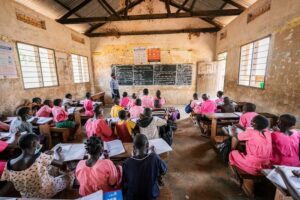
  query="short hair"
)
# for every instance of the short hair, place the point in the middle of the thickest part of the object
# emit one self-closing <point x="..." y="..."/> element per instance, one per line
<point x="220" y="93"/>
<point x="97" y="109"/>
<point x="26" y="140"/>
<point x="68" y="95"/>
<point x="260" y="122"/>
<point x="125" y="94"/>
<point x="47" y="102"/>
<point x="93" y="145"/>
<point x="116" y="101"/>
<point x="36" y="100"/>
<point x="122" y="114"/>
<point x="88" y="95"/>
<point x="249" y="107"/>
<point x="56" y="102"/>
<point x="133" y="96"/>
<point x="138" y="102"/>
<point x="112" y="74"/>
<point x="145" y="91"/>
<point x="195" y="95"/>
<point x="204" y="96"/>
<point x="157" y="103"/>
<point x="158" y="93"/>
<point x="226" y="100"/>
<point x="22" y="111"/>
<point x="147" y="112"/>
<point x="140" y="141"/>
<point x="287" y="120"/>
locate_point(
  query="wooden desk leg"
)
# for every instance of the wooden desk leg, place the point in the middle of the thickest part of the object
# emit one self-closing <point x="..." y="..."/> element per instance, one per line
<point x="213" y="129"/>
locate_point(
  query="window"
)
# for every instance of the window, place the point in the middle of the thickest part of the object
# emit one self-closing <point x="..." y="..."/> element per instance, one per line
<point x="221" y="70"/>
<point x="253" y="63"/>
<point x="80" y="69"/>
<point x="37" y="65"/>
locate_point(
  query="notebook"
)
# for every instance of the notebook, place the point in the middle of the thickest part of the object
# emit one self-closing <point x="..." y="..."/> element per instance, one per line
<point x="114" y="147"/>
<point x="160" y="145"/>
<point x="276" y="178"/>
<point x="70" y="151"/>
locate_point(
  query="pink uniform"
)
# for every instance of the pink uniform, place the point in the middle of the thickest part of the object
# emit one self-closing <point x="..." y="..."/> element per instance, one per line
<point x="99" y="128"/>
<point x="206" y="107"/>
<point x="103" y="175"/>
<point x="246" y="118"/>
<point x="219" y="100"/>
<point x="131" y="103"/>
<point x="285" y="149"/>
<point x="258" y="151"/>
<point x="88" y="107"/>
<point x="59" y="114"/>
<point x="162" y="101"/>
<point x="135" y="111"/>
<point x="125" y="102"/>
<point x="3" y="146"/>
<point x="147" y="101"/>
<point x="44" y="111"/>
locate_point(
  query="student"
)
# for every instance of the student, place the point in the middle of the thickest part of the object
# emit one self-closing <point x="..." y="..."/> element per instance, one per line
<point x="162" y="101"/>
<point x="29" y="172"/>
<point x="20" y="124"/>
<point x="220" y="99"/>
<point x="227" y="107"/>
<point x="148" y="125"/>
<point x="132" y="100"/>
<point x="116" y="108"/>
<point x="142" y="171"/>
<point x="258" y="147"/>
<point x="247" y="116"/>
<point x="97" y="126"/>
<point x="158" y="111"/>
<point x="136" y="110"/>
<point x="96" y="174"/>
<point x="286" y="142"/>
<point x="147" y="100"/>
<point x="36" y="105"/>
<point x="46" y="109"/>
<point x="125" y="100"/>
<point x="88" y="105"/>
<point x="207" y="106"/>
<point x="195" y="102"/>
<point x="60" y="116"/>
<point x="124" y="128"/>
<point x="68" y="102"/>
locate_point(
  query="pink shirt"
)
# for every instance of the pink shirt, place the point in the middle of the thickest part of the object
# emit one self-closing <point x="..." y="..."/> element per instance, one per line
<point x="44" y="111"/>
<point x="59" y="114"/>
<point x="135" y="111"/>
<point x="125" y="102"/>
<point x="99" y="128"/>
<point x="219" y="100"/>
<point x="285" y="149"/>
<point x="101" y="176"/>
<point x="206" y="107"/>
<point x="147" y="101"/>
<point x="162" y="101"/>
<point x="88" y="107"/>
<point x="246" y="118"/>
<point x="131" y="103"/>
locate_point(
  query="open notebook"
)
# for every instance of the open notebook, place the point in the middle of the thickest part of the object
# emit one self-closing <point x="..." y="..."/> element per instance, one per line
<point x="160" y="146"/>
<point x="229" y="129"/>
<point x="71" y="151"/>
<point x="114" y="147"/>
<point x="276" y="178"/>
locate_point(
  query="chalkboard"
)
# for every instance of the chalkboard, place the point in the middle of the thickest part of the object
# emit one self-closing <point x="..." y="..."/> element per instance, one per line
<point x="143" y="74"/>
<point x="164" y="74"/>
<point x="184" y="74"/>
<point x="124" y="74"/>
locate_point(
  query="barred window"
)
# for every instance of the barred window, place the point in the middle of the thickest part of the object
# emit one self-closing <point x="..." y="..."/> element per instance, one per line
<point x="80" y="69"/>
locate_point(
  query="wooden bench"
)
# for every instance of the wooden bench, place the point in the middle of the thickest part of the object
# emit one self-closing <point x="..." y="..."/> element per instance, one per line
<point x="99" y="97"/>
<point x="165" y="194"/>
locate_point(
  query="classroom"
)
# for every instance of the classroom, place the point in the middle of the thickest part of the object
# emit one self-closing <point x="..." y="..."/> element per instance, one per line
<point x="150" y="99"/>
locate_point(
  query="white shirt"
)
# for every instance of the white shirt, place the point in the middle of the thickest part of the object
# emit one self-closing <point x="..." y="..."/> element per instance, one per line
<point x="151" y="131"/>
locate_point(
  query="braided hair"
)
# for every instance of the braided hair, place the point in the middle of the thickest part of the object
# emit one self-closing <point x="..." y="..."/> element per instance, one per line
<point x="93" y="145"/>
<point x="261" y="123"/>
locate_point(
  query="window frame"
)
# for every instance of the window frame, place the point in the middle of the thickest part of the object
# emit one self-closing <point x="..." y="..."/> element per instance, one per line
<point x="21" y="71"/>
<point x="88" y="67"/>
<point x="266" y="68"/>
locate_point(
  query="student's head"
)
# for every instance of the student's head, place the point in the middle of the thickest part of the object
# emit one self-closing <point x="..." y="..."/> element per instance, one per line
<point x="122" y="114"/>
<point x="116" y="101"/>
<point x="57" y="102"/>
<point x="68" y="96"/>
<point x="204" y="97"/>
<point x="286" y="121"/>
<point x="145" y="91"/>
<point x="249" y="107"/>
<point x="226" y="100"/>
<point x="259" y="123"/>
<point x="157" y="103"/>
<point x="138" y="102"/>
<point x="140" y="144"/>
<point x="147" y="112"/>
<point x="88" y="95"/>
<point x="48" y="102"/>
<point x="125" y="94"/>
<point x="98" y="110"/>
<point x="113" y="75"/>
<point x="94" y="146"/>
<point x="220" y="94"/>
<point x="195" y="96"/>
<point x="23" y="113"/>
<point x="29" y="142"/>
<point x="37" y="100"/>
<point x="133" y="96"/>
<point x="158" y="94"/>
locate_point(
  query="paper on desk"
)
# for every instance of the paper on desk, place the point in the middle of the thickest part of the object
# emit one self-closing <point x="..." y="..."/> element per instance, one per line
<point x="276" y="178"/>
<point x="238" y="130"/>
<point x="114" y="147"/>
<point x="94" y="196"/>
<point x="9" y="119"/>
<point x="71" y="110"/>
<point x="71" y="151"/>
<point x="8" y="134"/>
<point x="41" y="120"/>
<point x="160" y="146"/>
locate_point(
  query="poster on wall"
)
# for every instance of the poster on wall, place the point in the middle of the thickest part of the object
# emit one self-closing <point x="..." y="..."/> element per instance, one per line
<point x="7" y="63"/>
<point x="140" y="55"/>
<point x="153" y="55"/>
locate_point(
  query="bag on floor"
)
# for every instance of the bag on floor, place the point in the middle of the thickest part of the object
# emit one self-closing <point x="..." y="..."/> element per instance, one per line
<point x="224" y="149"/>
<point x="188" y="109"/>
<point x="166" y="133"/>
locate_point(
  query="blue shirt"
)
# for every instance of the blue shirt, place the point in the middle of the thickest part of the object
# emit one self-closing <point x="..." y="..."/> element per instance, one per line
<point x="114" y="85"/>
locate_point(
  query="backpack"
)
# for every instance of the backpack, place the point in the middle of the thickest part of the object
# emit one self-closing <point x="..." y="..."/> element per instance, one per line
<point x="225" y="148"/>
<point x="188" y="108"/>
<point x="166" y="132"/>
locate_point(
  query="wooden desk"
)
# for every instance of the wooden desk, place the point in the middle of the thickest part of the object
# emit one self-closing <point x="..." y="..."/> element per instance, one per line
<point x="99" y="97"/>
<point x="214" y="121"/>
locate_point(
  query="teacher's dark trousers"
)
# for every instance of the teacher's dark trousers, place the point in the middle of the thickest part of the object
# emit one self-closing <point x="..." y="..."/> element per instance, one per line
<point x="116" y="94"/>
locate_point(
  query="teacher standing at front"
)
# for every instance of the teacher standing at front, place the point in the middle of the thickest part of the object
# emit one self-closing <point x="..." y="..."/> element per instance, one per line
<point x="114" y="86"/>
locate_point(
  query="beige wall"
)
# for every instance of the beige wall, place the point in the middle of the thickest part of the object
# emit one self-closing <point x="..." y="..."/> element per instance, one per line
<point x="282" y="86"/>
<point x="56" y="37"/>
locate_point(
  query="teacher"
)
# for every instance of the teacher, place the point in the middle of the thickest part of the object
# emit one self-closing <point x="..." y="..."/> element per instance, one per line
<point x="114" y="86"/>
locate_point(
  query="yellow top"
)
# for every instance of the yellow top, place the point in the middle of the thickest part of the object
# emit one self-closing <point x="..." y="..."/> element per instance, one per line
<point x="129" y="124"/>
<point x="114" y="112"/>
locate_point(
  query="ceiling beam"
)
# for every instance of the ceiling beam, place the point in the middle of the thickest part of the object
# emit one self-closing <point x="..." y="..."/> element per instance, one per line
<point x="239" y="6"/>
<point x="109" y="7"/>
<point x="72" y="11"/>
<point x="181" y="6"/>
<point x="104" y="7"/>
<point x="126" y="8"/>
<point x="192" y="5"/>
<point x="108" y="34"/>
<point x="167" y="4"/>
<point x="203" y="13"/>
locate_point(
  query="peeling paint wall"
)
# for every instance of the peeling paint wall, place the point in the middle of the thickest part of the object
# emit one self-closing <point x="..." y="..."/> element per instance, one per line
<point x="56" y="37"/>
<point x="282" y="86"/>
<point x="175" y="49"/>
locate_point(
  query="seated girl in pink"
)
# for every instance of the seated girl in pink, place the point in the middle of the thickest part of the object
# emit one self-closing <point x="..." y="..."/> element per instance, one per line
<point x="195" y="103"/>
<point x="220" y="99"/>
<point x="248" y="114"/>
<point x="88" y="105"/>
<point x="286" y="142"/>
<point x="258" y="147"/>
<point x="125" y="100"/>
<point x="46" y="109"/>
<point x="162" y="101"/>
<point x="136" y="110"/>
<point x="96" y="174"/>
<point x="147" y="101"/>
<point x="98" y="127"/>
<point x="207" y="106"/>
<point x="132" y="100"/>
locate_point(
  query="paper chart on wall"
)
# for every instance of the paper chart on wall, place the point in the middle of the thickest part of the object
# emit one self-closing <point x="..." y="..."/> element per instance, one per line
<point x="140" y="55"/>
<point x="7" y="63"/>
